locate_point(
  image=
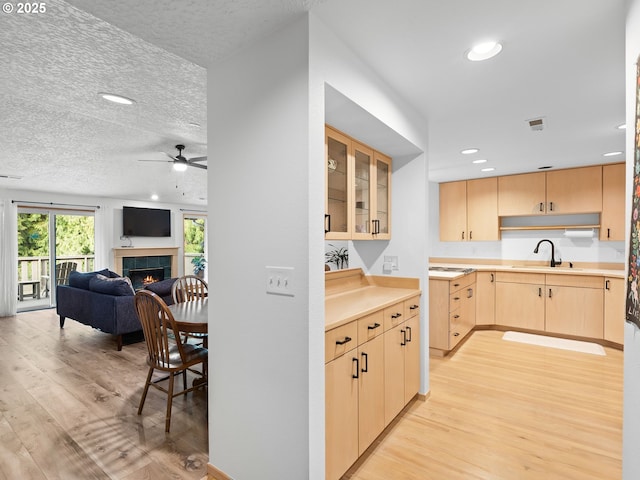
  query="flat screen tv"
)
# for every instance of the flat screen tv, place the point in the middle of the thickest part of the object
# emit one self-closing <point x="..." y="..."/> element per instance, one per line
<point x="146" y="222"/>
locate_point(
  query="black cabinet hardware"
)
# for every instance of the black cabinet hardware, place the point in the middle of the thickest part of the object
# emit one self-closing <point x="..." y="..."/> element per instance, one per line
<point x="365" y="362"/>
<point x="357" y="374"/>
<point x="373" y="327"/>
<point x="343" y="341"/>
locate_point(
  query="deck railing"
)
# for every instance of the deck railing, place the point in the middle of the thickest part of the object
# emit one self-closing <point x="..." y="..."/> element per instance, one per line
<point x="37" y="268"/>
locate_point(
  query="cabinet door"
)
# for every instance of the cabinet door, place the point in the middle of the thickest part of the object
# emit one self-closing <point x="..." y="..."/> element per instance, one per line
<point x="337" y="182"/>
<point x="485" y="298"/>
<point x="382" y="200"/>
<point x="394" y="343"/>
<point x="520" y="305"/>
<point x="439" y="314"/>
<point x="370" y="392"/>
<point x="613" y="202"/>
<point x="614" y="289"/>
<point x="412" y="359"/>
<point x="521" y="194"/>
<point x="363" y="194"/>
<point x="482" y="209"/>
<point x="453" y="211"/>
<point x="576" y="190"/>
<point x="574" y="311"/>
<point x="341" y="411"/>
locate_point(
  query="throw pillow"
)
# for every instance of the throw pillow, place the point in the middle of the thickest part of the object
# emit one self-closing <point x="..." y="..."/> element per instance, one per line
<point x="161" y="288"/>
<point x="81" y="280"/>
<point x="119" y="287"/>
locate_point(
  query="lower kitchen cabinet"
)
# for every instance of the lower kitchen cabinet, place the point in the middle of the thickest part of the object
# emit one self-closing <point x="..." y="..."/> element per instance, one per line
<point x="452" y="311"/>
<point x="372" y="370"/>
<point x="520" y="300"/>
<point x="485" y="298"/>
<point x="614" y="317"/>
<point x="574" y="305"/>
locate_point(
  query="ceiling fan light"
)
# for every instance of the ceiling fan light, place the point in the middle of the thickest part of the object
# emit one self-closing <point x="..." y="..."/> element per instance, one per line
<point x="484" y="51"/>
<point x="180" y="167"/>
<point x="112" y="97"/>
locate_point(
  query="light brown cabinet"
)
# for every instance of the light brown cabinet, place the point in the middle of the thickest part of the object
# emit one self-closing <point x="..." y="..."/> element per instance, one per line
<point x="614" y="317"/>
<point x="520" y="300"/>
<point x="557" y="192"/>
<point x="469" y="210"/>
<point x="574" y="305"/>
<point x="452" y="311"/>
<point x="612" y="222"/>
<point x="358" y="190"/>
<point x="485" y="298"/>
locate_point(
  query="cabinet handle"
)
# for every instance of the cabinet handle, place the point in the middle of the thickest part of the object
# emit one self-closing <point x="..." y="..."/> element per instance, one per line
<point x="470" y="234"/>
<point x="375" y="227"/>
<point x="469" y="292"/>
<point x="373" y="327"/>
<point x="456" y="284"/>
<point x="493" y="279"/>
<point x="413" y="307"/>
<point x="608" y="233"/>
<point x="357" y="374"/>
<point x="539" y="292"/>
<point x="541" y="207"/>
<point x="456" y="316"/>
<point x="409" y="337"/>
<point x="549" y="293"/>
<point x="607" y="285"/>
<point x="463" y="235"/>
<point x="365" y="362"/>
<point x="396" y="315"/>
<point x="343" y="341"/>
<point x="551" y="206"/>
<point x="327" y="223"/>
<point x="404" y="338"/>
<point x="456" y="298"/>
<point x="455" y="334"/>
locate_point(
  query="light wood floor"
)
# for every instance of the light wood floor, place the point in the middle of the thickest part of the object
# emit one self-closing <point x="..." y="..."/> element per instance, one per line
<point x="498" y="410"/>
<point x="506" y="411"/>
<point x="68" y="408"/>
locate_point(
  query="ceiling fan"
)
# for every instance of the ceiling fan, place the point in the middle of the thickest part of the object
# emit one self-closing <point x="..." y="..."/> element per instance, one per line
<point x="180" y="163"/>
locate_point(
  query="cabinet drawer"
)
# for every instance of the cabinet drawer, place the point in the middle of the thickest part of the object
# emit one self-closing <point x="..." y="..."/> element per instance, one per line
<point x="339" y="341"/>
<point x="393" y="315"/>
<point x="462" y="282"/>
<point x="456" y="298"/>
<point x="517" y="277"/>
<point x="412" y="307"/>
<point x="370" y="327"/>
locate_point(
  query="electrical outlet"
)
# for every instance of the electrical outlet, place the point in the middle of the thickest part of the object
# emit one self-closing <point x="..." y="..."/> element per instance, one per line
<point x="280" y="281"/>
<point x="393" y="260"/>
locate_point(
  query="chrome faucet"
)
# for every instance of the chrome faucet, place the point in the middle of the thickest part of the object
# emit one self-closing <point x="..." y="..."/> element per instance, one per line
<point x="553" y="262"/>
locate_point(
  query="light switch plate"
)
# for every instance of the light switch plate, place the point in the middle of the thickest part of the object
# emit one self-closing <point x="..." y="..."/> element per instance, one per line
<point x="280" y="281"/>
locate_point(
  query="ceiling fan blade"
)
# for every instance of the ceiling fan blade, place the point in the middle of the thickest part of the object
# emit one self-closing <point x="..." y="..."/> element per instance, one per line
<point x="204" y="167"/>
<point x="198" y="159"/>
<point x="149" y="160"/>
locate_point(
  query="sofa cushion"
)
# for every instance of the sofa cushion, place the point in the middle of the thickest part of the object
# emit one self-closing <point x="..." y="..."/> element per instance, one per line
<point x="161" y="288"/>
<point x="81" y="280"/>
<point x="120" y="286"/>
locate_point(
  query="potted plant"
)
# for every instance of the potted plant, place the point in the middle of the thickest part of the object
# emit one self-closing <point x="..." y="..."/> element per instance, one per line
<point x="338" y="256"/>
<point x="199" y="264"/>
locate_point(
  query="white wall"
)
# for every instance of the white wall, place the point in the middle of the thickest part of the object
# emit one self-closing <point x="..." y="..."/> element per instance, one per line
<point x="631" y="419"/>
<point x="519" y="245"/>
<point x="266" y="114"/>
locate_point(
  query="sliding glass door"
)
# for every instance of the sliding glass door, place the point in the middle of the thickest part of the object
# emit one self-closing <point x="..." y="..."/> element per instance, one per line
<point x="195" y="245"/>
<point x="51" y="243"/>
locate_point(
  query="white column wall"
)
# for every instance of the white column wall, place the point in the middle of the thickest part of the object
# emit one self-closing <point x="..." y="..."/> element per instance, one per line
<point x="259" y="201"/>
<point x="631" y="419"/>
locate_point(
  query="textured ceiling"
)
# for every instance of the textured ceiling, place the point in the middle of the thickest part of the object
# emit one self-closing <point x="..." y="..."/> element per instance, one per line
<point x="561" y="60"/>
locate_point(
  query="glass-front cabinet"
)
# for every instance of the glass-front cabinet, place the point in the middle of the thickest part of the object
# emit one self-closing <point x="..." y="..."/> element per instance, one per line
<point x="358" y="190"/>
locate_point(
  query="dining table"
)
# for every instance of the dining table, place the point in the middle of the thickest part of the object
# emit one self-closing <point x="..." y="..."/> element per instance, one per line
<point x="191" y="316"/>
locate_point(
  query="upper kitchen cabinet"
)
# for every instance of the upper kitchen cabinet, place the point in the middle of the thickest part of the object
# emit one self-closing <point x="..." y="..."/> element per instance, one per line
<point x="561" y="192"/>
<point x="469" y="210"/>
<point x="612" y="221"/>
<point x="358" y="195"/>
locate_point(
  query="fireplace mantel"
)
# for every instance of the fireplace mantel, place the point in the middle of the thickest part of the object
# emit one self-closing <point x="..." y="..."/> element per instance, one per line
<point x="120" y="253"/>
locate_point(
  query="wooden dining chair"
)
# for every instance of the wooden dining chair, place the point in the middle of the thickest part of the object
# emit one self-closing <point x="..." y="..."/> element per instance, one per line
<point x="186" y="289"/>
<point x="165" y="353"/>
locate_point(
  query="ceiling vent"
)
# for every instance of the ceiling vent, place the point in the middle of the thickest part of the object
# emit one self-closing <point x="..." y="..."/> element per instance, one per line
<point x="536" y="124"/>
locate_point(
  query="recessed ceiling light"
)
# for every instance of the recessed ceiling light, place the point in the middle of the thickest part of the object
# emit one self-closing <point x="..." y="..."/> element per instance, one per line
<point x="488" y="169"/>
<point x="481" y="160"/>
<point x="112" y="97"/>
<point x="469" y="151"/>
<point x="622" y="126"/>
<point x="484" y="51"/>
<point x="154" y="197"/>
<point x="612" y="154"/>
<point x="194" y="124"/>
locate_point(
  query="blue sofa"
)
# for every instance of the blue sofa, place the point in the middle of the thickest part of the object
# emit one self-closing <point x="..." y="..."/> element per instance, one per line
<point x="105" y="301"/>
